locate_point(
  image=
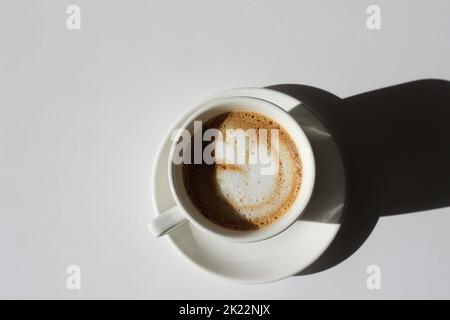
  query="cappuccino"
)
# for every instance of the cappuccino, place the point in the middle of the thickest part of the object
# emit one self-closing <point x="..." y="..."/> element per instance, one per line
<point x="241" y="195"/>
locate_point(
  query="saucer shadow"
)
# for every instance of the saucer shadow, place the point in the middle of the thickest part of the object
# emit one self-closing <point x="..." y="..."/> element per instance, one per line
<point x="396" y="149"/>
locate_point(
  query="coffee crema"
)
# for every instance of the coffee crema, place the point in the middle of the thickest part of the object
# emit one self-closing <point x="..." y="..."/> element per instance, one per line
<point x="239" y="196"/>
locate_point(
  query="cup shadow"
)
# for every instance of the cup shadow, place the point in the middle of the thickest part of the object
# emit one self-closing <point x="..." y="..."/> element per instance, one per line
<point x="395" y="143"/>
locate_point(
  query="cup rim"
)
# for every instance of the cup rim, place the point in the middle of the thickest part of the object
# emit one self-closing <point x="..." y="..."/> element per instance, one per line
<point x="307" y="183"/>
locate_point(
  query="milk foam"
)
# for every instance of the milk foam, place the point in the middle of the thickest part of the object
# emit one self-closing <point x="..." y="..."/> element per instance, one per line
<point x="240" y="196"/>
<point x="256" y="196"/>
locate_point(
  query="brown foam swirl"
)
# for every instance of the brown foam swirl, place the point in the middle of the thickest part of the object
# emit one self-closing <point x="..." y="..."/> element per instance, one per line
<point x="230" y="194"/>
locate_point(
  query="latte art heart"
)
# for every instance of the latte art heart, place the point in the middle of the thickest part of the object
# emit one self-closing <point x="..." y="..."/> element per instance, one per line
<point x="242" y="196"/>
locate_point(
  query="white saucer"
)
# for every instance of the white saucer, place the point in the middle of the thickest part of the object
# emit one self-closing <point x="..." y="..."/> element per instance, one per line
<point x="287" y="253"/>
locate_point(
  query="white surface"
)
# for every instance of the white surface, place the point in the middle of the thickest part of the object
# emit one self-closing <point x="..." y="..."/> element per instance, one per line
<point x="82" y="113"/>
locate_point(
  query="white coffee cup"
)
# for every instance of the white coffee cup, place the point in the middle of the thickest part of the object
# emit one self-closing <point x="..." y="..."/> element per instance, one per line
<point x="186" y="210"/>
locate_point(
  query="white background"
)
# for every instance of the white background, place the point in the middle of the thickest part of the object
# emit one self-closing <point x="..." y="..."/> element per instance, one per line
<point x="83" y="112"/>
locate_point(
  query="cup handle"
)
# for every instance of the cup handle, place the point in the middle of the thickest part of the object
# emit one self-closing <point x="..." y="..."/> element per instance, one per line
<point x="166" y="222"/>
